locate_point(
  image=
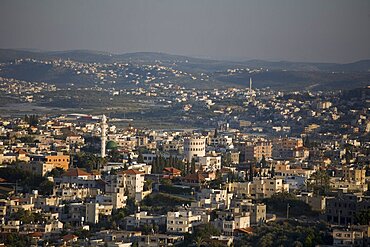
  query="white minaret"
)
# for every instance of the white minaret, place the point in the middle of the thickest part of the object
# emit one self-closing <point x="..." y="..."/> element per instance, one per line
<point x="103" y="135"/>
<point x="250" y="84"/>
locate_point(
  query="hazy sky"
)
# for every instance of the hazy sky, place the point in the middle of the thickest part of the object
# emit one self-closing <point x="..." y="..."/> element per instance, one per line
<point x="296" y="30"/>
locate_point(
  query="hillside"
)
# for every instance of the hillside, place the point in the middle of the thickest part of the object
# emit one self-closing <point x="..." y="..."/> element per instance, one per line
<point x="144" y="68"/>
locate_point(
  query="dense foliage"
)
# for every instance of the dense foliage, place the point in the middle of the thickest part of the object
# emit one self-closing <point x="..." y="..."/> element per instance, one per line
<point x="287" y="233"/>
<point x="161" y="203"/>
<point x="24" y="180"/>
<point x="201" y="236"/>
<point x="280" y="202"/>
<point x="88" y="161"/>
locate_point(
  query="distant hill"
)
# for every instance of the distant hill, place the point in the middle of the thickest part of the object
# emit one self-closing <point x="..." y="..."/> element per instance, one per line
<point x="151" y="57"/>
<point x="280" y="75"/>
<point x="363" y="66"/>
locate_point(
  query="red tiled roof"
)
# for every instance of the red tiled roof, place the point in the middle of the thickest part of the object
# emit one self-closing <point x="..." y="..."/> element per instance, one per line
<point x="132" y="172"/>
<point x="95" y="172"/>
<point x="69" y="237"/>
<point x="76" y="172"/>
<point x="21" y="151"/>
<point x="171" y="170"/>
<point x="36" y="234"/>
<point x="196" y="176"/>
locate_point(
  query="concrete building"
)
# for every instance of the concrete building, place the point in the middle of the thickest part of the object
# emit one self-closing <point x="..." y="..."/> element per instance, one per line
<point x="209" y="162"/>
<point x="194" y="147"/>
<point x="258" y="150"/>
<point x="56" y="161"/>
<point x="134" y="183"/>
<point x="348" y="237"/>
<point x="92" y="212"/>
<point x="141" y="219"/>
<point x="182" y="221"/>
<point x="229" y="221"/>
<point x="342" y="209"/>
<point x="260" y="187"/>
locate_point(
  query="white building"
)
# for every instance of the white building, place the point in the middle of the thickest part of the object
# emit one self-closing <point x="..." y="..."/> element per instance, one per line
<point x="261" y="187"/>
<point x="134" y="183"/>
<point x="209" y="162"/>
<point x="182" y="221"/>
<point x="194" y="147"/>
<point x="227" y="222"/>
<point x="215" y="198"/>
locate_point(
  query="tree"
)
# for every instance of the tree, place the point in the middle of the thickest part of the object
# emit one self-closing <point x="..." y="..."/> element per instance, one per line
<point x="192" y="165"/>
<point x="24" y="179"/>
<point x="363" y="217"/>
<point x="88" y="161"/>
<point x="32" y="120"/>
<point x="226" y="159"/>
<point x="266" y="240"/>
<point x="320" y="182"/>
<point x="148" y="184"/>
<point x="47" y="187"/>
<point x="278" y="204"/>
<point x="27" y="139"/>
<point x="114" y="155"/>
<point x="199" y="241"/>
<point x="140" y="158"/>
<point x="55" y="173"/>
<point x="288" y="233"/>
<point x="263" y="161"/>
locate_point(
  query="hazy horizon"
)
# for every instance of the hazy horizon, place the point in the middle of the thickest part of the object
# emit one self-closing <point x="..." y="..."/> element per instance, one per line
<point x="334" y="31"/>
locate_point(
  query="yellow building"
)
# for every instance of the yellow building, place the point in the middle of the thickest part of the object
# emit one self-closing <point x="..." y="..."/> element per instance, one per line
<point x="258" y="150"/>
<point x="354" y="174"/>
<point x="56" y="161"/>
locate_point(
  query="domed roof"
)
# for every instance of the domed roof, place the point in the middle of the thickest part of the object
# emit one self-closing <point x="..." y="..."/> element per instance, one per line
<point x="111" y="145"/>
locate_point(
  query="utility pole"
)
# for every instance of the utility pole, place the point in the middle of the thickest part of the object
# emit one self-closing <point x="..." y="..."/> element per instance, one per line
<point x="287" y="211"/>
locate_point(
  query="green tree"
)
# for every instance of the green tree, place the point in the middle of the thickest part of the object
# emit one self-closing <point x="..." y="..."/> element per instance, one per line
<point x="114" y="155"/>
<point x="55" y="173"/>
<point x="32" y="120"/>
<point x="192" y="166"/>
<point x="27" y="139"/>
<point x="148" y="185"/>
<point x="199" y="241"/>
<point x="140" y="158"/>
<point x="47" y="187"/>
<point x="320" y="182"/>
<point x="363" y="217"/>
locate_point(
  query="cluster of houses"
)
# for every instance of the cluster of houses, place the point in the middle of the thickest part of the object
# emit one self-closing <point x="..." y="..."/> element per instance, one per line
<point x="223" y="173"/>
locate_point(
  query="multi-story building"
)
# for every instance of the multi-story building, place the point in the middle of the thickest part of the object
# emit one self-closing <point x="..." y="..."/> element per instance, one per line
<point x="217" y="198"/>
<point x="266" y="187"/>
<point x="348" y="237"/>
<point x="354" y="174"/>
<point x="134" y="183"/>
<point x="182" y="221"/>
<point x="194" y="147"/>
<point x="229" y="221"/>
<point x="257" y="211"/>
<point x="159" y="240"/>
<point x="260" y="187"/>
<point x="258" y="150"/>
<point x="285" y="148"/>
<point x="342" y="209"/>
<point x="209" y="162"/>
<point x="141" y="219"/>
<point x="58" y="161"/>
